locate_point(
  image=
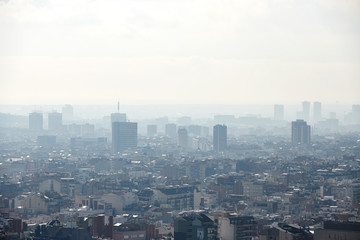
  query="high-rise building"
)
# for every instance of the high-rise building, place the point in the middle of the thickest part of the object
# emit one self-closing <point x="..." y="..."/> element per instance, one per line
<point x="36" y="121"/>
<point x="220" y="138"/>
<point x="183" y="137"/>
<point x="170" y="130"/>
<point x="151" y="130"/>
<point x="68" y="112"/>
<point x="278" y="112"/>
<point x="306" y="110"/>
<point x="54" y="121"/>
<point x="300" y="132"/>
<point x="317" y="112"/>
<point x="124" y="136"/>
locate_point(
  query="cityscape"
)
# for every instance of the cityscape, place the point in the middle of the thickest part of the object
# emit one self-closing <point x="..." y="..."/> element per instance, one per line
<point x="225" y="177"/>
<point x="179" y="120"/>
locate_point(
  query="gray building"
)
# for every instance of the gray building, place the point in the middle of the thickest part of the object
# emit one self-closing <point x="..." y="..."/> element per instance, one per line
<point x="317" y="112"/>
<point x="278" y="112"/>
<point x="183" y="138"/>
<point x="36" y="121"/>
<point x="220" y="138"/>
<point x="300" y="132"/>
<point x="54" y="121"/>
<point x="124" y="136"/>
<point x="306" y="110"/>
<point x="68" y="112"/>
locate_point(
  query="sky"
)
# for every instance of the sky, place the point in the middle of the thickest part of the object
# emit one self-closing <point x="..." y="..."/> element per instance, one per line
<point x="179" y="51"/>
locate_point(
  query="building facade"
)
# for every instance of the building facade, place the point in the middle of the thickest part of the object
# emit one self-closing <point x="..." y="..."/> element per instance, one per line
<point x="36" y="121"/>
<point x="220" y="138"/>
<point x="300" y="132"/>
<point x="124" y="136"/>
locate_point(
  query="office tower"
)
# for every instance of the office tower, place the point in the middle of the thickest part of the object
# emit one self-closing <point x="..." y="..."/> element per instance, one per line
<point x="151" y="130"/>
<point x="170" y="130"/>
<point x="36" y="121"/>
<point x="220" y="138"/>
<point x="54" y="121"/>
<point x="317" y="112"/>
<point x="306" y="110"/>
<point x="124" y="136"/>
<point x="68" y="112"/>
<point x="300" y="132"/>
<point x="278" y="112"/>
<point x="118" y="117"/>
<point x="182" y="138"/>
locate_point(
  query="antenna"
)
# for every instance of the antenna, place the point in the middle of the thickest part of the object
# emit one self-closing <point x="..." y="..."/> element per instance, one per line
<point x="118" y="106"/>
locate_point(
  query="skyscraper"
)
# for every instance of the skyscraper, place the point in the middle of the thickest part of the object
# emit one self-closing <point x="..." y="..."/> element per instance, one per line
<point x="36" y="121"/>
<point x="317" y="112"/>
<point x="67" y="112"/>
<point x="278" y="112"/>
<point x="54" y="121"/>
<point x="300" y="132"/>
<point x="182" y="138"/>
<point x="220" y="138"/>
<point x="306" y="110"/>
<point x="124" y="136"/>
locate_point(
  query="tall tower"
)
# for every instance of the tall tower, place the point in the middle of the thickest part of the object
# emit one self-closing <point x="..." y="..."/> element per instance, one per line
<point x="183" y="137"/>
<point x="220" y="138"/>
<point x="278" y="112"/>
<point x="67" y="112"/>
<point x="36" y="121"/>
<point x="306" y="110"/>
<point x="300" y="132"/>
<point x="54" y="121"/>
<point x="124" y="136"/>
<point x="317" y="112"/>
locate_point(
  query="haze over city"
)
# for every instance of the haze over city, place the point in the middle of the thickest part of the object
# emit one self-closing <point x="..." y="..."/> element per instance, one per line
<point x="179" y="119"/>
<point x="181" y="52"/>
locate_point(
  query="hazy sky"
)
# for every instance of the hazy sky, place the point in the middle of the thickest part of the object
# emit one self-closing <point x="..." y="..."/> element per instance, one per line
<point x="179" y="51"/>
